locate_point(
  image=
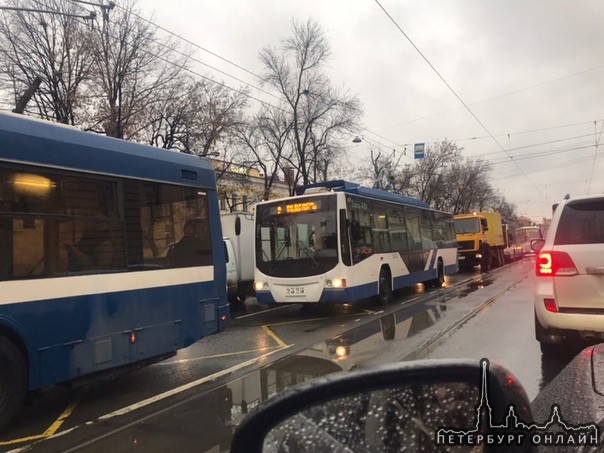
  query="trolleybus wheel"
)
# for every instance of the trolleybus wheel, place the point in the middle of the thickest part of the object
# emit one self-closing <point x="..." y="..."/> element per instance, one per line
<point x="13" y="379"/>
<point x="385" y="289"/>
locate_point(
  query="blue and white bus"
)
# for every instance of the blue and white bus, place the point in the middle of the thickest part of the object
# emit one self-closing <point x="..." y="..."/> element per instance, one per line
<point x="340" y="242"/>
<point x="85" y="285"/>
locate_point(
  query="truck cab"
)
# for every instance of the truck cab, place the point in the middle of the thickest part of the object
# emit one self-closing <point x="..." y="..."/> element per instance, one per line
<point x="480" y="240"/>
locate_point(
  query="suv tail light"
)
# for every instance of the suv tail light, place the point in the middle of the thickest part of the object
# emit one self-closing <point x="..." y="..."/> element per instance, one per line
<point x="555" y="264"/>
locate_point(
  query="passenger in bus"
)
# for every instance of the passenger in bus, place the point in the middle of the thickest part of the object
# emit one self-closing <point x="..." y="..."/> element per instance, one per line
<point x="94" y="249"/>
<point x="190" y="250"/>
<point x="365" y="251"/>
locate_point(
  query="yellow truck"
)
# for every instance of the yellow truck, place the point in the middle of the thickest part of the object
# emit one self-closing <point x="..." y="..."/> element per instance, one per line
<point x="480" y="240"/>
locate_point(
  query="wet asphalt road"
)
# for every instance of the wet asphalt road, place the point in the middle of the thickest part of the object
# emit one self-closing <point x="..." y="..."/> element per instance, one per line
<point x="192" y="401"/>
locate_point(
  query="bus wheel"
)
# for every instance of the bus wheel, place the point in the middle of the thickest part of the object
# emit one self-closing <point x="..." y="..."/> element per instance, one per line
<point x="13" y="380"/>
<point x="385" y="290"/>
<point x="440" y="276"/>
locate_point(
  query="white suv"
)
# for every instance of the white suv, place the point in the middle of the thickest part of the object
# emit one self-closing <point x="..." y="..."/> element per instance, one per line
<point x="569" y="296"/>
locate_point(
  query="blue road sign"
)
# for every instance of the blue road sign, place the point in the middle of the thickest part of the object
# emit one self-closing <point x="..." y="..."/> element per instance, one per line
<point x="419" y="150"/>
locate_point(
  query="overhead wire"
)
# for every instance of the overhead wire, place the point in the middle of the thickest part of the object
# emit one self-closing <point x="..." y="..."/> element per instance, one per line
<point x="597" y="140"/>
<point x="150" y="22"/>
<point x="403" y="145"/>
<point x="233" y="64"/>
<point x="205" y="77"/>
<point x="529" y="131"/>
<point x="509" y="93"/>
<point x="455" y="93"/>
<point x="491" y="136"/>
<point x="203" y="63"/>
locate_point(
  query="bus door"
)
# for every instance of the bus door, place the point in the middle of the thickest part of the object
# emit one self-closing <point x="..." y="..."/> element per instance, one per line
<point x="416" y="258"/>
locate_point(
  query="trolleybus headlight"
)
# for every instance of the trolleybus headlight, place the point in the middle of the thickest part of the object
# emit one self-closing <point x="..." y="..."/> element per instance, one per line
<point x="260" y="286"/>
<point x="336" y="283"/>
<point x="342" y="351"/>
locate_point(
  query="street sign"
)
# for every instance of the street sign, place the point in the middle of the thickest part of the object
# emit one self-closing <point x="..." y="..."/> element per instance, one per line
<point x="419" y="150"/>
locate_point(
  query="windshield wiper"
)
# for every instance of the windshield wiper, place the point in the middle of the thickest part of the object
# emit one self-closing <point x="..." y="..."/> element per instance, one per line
<point x="309" y="252"/>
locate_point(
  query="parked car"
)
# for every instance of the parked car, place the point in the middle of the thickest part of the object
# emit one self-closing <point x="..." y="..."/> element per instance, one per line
<point x="569" y="292"/>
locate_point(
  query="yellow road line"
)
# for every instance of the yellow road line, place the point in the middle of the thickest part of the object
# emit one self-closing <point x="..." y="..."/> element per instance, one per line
<point x="52" y="429"/>
<point x="23" y="440"/>
<point x="272" y="334"/>
<point x="59" y="421"/>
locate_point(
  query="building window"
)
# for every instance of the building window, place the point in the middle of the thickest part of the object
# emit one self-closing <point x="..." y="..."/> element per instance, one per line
<point x="245" y="203"/>
<point x="223" y="206"/>
<point x="235" y="201"/>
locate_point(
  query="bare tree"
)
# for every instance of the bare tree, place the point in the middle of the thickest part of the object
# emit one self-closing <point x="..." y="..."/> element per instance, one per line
<point x="194" y="117"/>
<point x="429" y="181"/>
<point x="444" y="179"/>
<point x="47" y="54"/>
<point x="385" y="171"/>
<point x="318" y="113"/>
<point x="264" y="139"/>
<point x="467" y="186"/>
<point x="131" y="66"/>
<point x="506" y="208"/>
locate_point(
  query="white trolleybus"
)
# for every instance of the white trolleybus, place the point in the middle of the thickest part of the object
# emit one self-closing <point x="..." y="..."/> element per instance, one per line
<point x="339" y="242"/>
<point x="101" y="266"/>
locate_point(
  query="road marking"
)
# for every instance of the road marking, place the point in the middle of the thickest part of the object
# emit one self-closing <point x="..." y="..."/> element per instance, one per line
<point x="215" y="356"/>
<point x="321" y="319"/>
<point x="52" y="429"/>
<point x="184" y="387"/>
<point x="407" y="301"/>
<point x="261" y="312"/>
<point x="272" y="334"/>
<point x="59" y="421"/>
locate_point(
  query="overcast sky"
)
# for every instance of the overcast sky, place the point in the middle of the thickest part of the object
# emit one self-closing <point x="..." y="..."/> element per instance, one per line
<point x="530" y="71"/>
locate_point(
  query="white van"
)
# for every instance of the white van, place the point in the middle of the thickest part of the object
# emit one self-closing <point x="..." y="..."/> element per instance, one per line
<point x="238" y="232"/>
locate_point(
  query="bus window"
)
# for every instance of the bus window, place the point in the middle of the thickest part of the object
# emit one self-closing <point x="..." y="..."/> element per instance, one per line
<point x="156" y="216"/>
<point x="413" y="219"/>
<point x="362" y="241"/>
<point x="56" y="223"/>
<point x="380" y="229"/>
<point x="426" y="230"/>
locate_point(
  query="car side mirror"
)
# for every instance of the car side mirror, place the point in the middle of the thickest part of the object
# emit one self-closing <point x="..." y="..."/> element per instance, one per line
<point x="403" y="406"/>
<point x="537" y="244"/>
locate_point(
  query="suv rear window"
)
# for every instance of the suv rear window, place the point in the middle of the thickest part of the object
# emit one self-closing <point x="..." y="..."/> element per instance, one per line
<point x="582" y="222"/>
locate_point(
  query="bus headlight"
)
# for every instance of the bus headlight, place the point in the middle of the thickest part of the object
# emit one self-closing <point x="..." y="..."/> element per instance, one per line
<point x="336" y="283"/>
<point x="342" y="351"/>
<point x="260" y="286"/>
